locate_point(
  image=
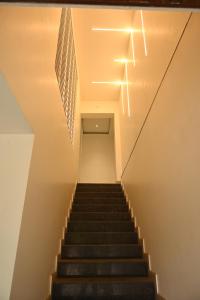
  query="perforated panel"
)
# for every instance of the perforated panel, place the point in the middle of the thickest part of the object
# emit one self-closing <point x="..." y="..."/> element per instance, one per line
<point x="66" y="69"/>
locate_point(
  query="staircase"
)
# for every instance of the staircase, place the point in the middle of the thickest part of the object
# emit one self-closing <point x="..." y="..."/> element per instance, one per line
<point x="101" y="256"/>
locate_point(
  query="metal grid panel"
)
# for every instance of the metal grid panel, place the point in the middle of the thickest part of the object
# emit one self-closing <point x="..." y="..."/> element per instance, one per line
<point x="66" y="69"/>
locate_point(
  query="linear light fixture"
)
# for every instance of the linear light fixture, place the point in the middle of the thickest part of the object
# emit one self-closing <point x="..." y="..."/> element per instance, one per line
<point x="127" y="30"/>
<point x="122" y="99"/>
<point x="127" y="90"/>
<point x="143" y="33"/>
<point x="133" y="49"/>
<point x="122" y="60"/>
<point x="111" y="82"/>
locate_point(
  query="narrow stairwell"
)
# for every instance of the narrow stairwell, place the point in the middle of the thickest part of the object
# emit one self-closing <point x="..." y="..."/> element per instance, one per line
<point x="102" y="257"/>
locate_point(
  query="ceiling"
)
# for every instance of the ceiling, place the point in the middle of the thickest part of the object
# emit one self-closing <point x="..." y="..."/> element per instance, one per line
<point x="96" y="50"/>
<point x="96" y="125"/>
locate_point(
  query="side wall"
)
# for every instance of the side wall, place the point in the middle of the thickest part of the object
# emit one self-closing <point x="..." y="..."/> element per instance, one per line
<point x="162" y="176"/>
<point x="16" y="142"/>
<point x="28" y="41"/>
<point x="97" y="159"/>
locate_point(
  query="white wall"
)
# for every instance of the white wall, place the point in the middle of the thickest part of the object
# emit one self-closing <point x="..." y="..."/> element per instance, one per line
<point x="16" y="141"/>
<point x="162" y="177"/>
<point x="28" y="41"/>
<point x="97" y="159"/>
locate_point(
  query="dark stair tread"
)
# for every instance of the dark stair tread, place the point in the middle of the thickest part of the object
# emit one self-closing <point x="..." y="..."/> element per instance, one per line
<point x="99" y="206"/>
<point x="105" y="222"/>
<point x="101" y="237"/>
<point x="98" y="184"/>
<point x="94" y="195"/>
<point x="99" y="194"/>
<point x="100" y="200"/>
<point x="102" y="213"/>
<point x="102" y="267"/>
<point x="104" y="279"/>
<point x="100" y="216"/>
<point x="100" y="197"/>
<point x="131" y="221"/>
<point x="103" y="260"/>
<point x="104" y="226"/>
<point x="92" y="288"/>
<point x="102" y="251"/>
<point x="103" y="244"/>
<point x="102" y="188"/>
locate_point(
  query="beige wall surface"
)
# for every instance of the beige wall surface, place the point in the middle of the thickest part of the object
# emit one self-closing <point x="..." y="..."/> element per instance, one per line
<point x="16" y="142"/>
<point x="28" y="40"/>
<point x="97" y="159"/>
<point x="162" y="177"/>
<point x="162" y="30"/>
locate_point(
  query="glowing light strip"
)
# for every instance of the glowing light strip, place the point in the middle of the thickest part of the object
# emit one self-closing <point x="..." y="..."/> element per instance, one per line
<point x="122" y="60"/>
<point x="122" y="98"/>
<point x="111" y="82"/>
<point x="143" y="33"/>
<point x="128" y="30"/>
<point x="133" y="49"/>
<point x="127" y="90"/>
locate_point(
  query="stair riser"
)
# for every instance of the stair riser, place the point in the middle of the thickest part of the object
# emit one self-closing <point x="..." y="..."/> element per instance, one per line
<point x="135" y="291"/>
<point x="100" y="226"/>
<point x="99" y="194"/>
<point x="102" y="251"/>
<point x="98" y="185"/>
<point x="100" y="216"/>
<point x="99" y="208"/>
<point x="100" y="201"/>
<point x="99" y="189"/>
<point x="101" y="238"/>
<point x="102" y="269"/>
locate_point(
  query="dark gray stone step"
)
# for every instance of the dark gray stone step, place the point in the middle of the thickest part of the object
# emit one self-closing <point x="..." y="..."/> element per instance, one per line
<point x="102" y="267"/>
<point x="100" y="207"/>
<point x="91" y="288"/>
<point x="100" y="216"/>
<point x="101" y="237"/>
<point x="98" y="185"/>
<point x="99" y="194"/>
<point x="103" y="201"/>
<point x="101" y="226"/>
<point x="95" y="188"/>
<point x="102" y="251"/>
